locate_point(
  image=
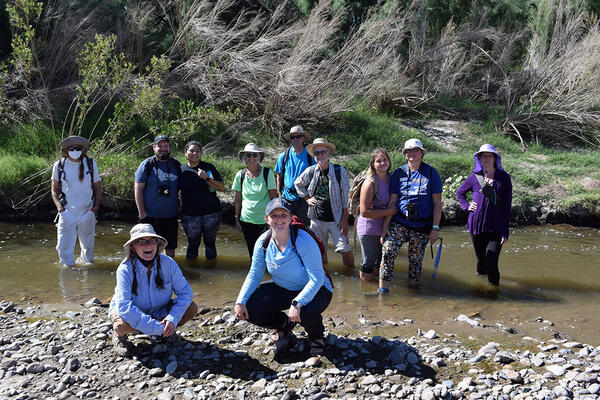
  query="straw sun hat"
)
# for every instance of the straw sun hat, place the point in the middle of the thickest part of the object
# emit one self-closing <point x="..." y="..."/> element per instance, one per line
<point x="297" y="129"/>
<point x="251" y="148"/>
<point x="320" y="142"/>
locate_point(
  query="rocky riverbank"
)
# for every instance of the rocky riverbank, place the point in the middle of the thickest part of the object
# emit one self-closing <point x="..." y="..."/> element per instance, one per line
<point x="65" y="352"/>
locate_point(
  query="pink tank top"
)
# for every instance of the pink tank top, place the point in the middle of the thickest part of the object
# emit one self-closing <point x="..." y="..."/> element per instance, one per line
<point x="374" y="226"/>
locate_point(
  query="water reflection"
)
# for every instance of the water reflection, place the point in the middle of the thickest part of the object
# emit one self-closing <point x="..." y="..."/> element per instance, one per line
<point x="550" y="271"/>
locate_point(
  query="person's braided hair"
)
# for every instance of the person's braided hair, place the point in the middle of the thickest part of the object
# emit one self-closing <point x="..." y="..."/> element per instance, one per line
<point x="159" y="280"/>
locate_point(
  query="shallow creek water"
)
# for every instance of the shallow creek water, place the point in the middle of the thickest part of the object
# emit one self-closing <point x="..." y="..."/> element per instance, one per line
<point x="551" y="272"/>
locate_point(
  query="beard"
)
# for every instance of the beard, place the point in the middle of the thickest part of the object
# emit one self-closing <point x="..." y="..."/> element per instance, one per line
<point x="163" y="155"/>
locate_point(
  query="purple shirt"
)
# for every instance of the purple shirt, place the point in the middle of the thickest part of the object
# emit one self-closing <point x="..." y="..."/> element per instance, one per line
<point x="488" y="217"/>
<point x="374" y="226"/>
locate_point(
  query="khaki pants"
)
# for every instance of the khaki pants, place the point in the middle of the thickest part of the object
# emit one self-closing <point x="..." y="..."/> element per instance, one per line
<point x="122" y="328"/>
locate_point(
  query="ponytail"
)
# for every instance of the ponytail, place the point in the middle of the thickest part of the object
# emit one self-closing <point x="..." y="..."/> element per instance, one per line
<point x="134" y="284"/>
<point x="159" y="280"/>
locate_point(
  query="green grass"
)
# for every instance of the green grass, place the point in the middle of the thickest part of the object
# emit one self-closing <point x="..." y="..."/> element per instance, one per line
<point x="27" y="149"/>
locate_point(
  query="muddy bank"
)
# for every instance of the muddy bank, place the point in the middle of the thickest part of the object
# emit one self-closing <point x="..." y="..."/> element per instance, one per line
<point x="65" y="351"/>
<point x="522" y="214"/>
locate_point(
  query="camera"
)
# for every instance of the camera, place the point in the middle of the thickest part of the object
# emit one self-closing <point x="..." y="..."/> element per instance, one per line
<point x="412" y="211"/>
<point x="62" y="199"/>
<point x="164" y="191"/>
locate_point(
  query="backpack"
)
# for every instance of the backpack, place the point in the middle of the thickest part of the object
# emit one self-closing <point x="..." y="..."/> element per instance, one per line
<point x="153" y="163"/>
<point x="296" y="225"/>
<point x="354" y="194"/>
<point x="286" y="156"/>
<point x="265" y="175"/>
<point x="61" y="173"/>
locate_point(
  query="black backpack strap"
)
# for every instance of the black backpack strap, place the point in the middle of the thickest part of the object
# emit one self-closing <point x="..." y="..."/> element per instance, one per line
<point x="309" y="159"/>
<point x="177" y="166"/>
<point x="266" y="176"/>
<point x="265" y="243"/>
<point x="150" y="162"/>
<point x="61" y="170"/>
<point x="242" y="180"/>
<point x="90" y="164"/>
<point x="337" y="169"/>
<point x="286" y="156"/>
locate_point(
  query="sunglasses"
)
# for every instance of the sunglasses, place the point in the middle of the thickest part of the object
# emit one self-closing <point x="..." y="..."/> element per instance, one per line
<point x="143" y="242"/>
<point x="296" y="136"/>
<point x="414" y="150"/>
<point x="319" y="152"/>
<point x="74" y="148"/>
<point x="251" y="154"/>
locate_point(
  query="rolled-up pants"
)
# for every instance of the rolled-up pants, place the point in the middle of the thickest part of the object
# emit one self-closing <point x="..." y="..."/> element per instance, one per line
<point x="70" y="226"/>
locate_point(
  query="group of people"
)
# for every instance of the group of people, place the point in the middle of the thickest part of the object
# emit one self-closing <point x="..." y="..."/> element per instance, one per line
<point x="273" y="210"/>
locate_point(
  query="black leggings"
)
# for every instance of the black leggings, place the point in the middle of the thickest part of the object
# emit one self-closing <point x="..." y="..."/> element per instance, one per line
<point x="251" y="234"/>
<point x="487" y="249"/>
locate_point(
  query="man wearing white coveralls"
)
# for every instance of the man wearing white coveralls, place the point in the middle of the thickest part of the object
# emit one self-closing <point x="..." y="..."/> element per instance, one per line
<point x="77" y="193"/>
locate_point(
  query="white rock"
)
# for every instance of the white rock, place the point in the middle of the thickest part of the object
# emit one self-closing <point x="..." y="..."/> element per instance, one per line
<point x="464" y="318"/>
<point x="259" y="384"/>
<point x="490" y="348"/>
<point x="556" y="370"/>
<point x="430" y="334"/>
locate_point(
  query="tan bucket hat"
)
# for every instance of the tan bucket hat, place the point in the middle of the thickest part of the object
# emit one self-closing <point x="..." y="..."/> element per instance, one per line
<point x="140" y="231"/>
<point x="251" y="148"/>
<point x="320" y="142"/>
<point x="297" y="129"/>
<point x="74" y="141"/>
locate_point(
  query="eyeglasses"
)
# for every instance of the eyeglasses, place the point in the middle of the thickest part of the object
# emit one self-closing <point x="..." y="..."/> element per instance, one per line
<point x="251" y="154"/>
<point x="277" y="216"/>
<point x="296" y="136"/>
<point x="319" y="152"/>
<point x="413" y="150"/>
<point x="143" y="242"/>
<point x="74" y="148"/>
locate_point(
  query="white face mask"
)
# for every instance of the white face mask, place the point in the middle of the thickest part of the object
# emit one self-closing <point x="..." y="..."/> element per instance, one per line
<point x="75" y="154"/>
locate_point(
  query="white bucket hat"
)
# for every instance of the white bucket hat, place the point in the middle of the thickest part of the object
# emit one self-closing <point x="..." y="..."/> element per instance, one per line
<point x="251" y="148"/>
<point x="140" y="231"/>
<point x="320" y="142"/>
<point x="74" y="141"/>
<point x="297" y="129"/>
<point x="411" y="144"/>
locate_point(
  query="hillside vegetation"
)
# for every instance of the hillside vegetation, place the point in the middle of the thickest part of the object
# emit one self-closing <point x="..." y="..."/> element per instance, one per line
<point x="521" y="74"/>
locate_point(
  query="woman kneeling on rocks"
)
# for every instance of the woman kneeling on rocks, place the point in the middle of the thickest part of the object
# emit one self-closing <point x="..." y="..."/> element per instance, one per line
<point x="299" y="282"/>
<point x="146" y="280"/>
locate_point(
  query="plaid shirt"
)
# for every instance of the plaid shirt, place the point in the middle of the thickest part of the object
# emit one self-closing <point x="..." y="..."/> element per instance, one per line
<point x="338" y="193"/>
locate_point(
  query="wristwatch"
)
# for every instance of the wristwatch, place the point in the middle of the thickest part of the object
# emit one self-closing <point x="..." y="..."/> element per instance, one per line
<point x="435" y="228"/>
<point x="296" y="304"/>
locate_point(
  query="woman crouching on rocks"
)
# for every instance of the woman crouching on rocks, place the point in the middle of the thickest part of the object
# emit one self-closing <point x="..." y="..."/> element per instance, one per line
<point x="299" y="282"/>
<point x="146" y="280"/>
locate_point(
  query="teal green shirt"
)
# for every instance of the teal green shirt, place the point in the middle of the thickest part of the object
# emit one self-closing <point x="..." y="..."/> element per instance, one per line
<point x="255" y="195"/>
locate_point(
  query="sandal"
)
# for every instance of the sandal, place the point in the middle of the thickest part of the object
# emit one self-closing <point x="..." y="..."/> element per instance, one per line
<point x="317" y="347"/>
<point x="280" y="340"/>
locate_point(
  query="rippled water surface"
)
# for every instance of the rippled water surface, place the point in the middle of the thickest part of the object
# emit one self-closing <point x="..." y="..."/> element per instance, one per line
<point x="552" y="272"/>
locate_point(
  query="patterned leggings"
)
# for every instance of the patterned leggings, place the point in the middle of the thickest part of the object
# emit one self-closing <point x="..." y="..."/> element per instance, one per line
<point x="417" y="242"/>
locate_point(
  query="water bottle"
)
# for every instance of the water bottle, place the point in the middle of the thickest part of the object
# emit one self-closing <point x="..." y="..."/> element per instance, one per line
<point x="210" y="176"/>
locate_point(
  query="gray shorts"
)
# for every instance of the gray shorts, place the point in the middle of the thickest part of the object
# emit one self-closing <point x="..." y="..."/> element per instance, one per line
<point x="324" y="229"/>
<point x="370" y="247"/>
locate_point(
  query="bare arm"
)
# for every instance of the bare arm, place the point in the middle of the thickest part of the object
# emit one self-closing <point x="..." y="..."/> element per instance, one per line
<point x="139" y="199"/>
<point x="366" y="201"/>
<point x="437" y="216"/>
<point x="279" y="188"/>
<point x="97" y="196"/>
<point x="273" y="193"/>
<point x="237" y="207"/>
<point x="388" y="218"/>
<point x="219" y="186"/>
<point x="55" y="190"/>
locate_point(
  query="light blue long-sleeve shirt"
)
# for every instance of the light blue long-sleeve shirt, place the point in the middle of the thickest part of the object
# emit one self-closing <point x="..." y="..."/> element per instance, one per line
<point x="145" y="310"/>
<point x="286" y="269"/>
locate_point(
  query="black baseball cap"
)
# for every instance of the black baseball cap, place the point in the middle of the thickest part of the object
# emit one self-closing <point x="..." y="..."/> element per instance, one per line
<point x="160" y="138"/>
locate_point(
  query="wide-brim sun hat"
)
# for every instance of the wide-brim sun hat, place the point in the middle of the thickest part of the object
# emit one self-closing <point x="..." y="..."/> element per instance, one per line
<point x="277" y="203"/>
<point x="297" y="129"/>
<point x="251" y="148"/>
<point x="487" y="148"/>
<point x="320" y="142"/>
<point x="411" y="144"/>
<point x="74" y="141"/>
<point x="140" y="231"/>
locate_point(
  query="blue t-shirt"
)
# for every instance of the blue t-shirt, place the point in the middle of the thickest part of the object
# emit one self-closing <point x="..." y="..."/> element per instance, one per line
<point x="157" y="205"/>
<point x="295" y="165"/>
<point x="416" y="187"/>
